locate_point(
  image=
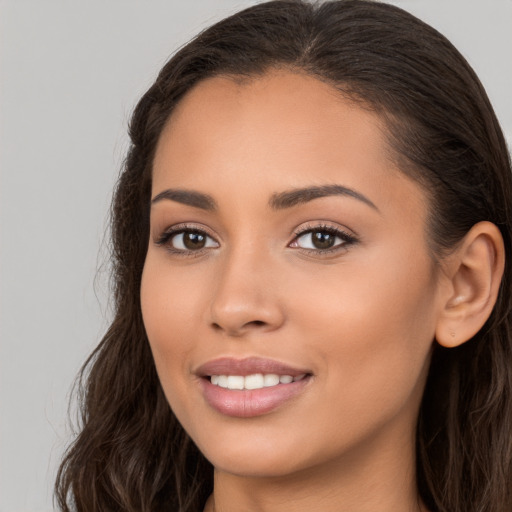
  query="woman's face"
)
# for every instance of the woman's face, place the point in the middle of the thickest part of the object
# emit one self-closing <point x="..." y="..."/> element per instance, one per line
<point x="284" y="246"/>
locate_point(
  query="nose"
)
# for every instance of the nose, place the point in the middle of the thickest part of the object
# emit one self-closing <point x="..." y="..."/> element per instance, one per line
<point x="246" y="296"/>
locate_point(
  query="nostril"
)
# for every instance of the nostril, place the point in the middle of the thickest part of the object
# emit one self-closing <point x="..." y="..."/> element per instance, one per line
<point x="238" y="331"/>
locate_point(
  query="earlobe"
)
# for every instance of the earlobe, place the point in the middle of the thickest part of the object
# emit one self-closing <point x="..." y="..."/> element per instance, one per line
<point x="474" y="270"/>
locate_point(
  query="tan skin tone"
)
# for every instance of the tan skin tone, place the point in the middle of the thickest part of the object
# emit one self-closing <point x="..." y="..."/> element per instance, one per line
<point x="360" y="315"/>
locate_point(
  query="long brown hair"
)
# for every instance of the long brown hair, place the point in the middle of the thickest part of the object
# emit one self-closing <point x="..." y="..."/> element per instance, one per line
<point x="131" y="453"/>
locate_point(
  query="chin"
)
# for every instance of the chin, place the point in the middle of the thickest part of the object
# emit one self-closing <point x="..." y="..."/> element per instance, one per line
<point x="263" y="465"/>
<point x="247" y="452"/>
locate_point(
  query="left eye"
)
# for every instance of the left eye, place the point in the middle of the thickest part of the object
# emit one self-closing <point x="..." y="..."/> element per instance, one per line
<point x="191" y="241"/>
<point x="319" y="240"/>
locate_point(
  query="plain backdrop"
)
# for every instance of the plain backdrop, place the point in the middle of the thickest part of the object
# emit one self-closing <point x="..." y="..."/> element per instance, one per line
<point x="70" y="74"/>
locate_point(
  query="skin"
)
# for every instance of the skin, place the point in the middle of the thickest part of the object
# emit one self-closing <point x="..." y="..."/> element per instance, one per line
<point x="361" y="318"/>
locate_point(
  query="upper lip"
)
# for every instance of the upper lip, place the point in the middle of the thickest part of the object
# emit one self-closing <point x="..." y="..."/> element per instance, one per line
<point x="247" y="366"/>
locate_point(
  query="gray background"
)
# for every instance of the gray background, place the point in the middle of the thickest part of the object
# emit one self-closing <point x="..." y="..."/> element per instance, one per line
<point x="70" y="74"/>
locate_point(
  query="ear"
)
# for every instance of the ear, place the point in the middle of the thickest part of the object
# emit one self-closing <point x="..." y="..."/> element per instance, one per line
<point x="474" y="273"/>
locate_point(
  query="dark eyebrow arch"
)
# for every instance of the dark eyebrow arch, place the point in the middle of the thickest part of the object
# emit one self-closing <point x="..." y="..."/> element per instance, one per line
<point x="298" y="196"/>
<point x="188" y="197"/>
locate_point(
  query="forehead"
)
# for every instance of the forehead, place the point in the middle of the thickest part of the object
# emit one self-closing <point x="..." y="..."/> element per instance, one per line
<point x="285" y="103"/>
<point x="275" y="131"/>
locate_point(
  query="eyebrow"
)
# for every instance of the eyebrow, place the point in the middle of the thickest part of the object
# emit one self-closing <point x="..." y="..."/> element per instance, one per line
<point x="278" y="201"/>
<point x="188" y="197"/>
<point x="298" y="196"/>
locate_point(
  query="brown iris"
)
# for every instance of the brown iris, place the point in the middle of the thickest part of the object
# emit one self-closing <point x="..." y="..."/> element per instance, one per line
<point x="194" y="240"/>
<point x="322" y="239"/>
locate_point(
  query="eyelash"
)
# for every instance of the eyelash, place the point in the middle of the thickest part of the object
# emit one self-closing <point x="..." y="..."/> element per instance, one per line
<point x="347" y="239"/>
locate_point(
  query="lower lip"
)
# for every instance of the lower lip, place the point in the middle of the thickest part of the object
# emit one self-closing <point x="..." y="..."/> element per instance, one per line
<point x="253" y="402"/>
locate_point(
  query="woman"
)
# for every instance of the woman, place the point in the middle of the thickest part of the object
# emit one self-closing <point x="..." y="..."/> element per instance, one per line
<point x="313" y="305"/>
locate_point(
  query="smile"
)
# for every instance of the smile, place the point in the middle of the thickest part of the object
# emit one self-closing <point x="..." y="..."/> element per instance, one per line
<point x="245" y="388"/>
<point x="254" y="381"/>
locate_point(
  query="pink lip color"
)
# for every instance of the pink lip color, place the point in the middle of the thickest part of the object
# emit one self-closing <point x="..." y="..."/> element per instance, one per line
<point x="247" y="366"/>
<point x="254" y="402"/>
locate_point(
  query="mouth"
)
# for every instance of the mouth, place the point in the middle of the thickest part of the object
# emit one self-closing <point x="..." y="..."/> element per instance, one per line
<point x="250" y="387"/>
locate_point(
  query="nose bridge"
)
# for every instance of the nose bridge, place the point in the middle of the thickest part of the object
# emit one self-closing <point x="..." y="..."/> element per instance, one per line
<point x="245" y="296"/>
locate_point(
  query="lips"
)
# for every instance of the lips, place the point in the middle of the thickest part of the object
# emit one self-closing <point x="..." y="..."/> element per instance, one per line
<point x="248" y="366"/>
<point x="283" y="383"/>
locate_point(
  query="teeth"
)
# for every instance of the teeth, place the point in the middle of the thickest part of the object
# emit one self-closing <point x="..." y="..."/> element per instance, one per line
<point x="270" y="380"/>
<point x="254" y="381"/>
<point x="236" y="382"/>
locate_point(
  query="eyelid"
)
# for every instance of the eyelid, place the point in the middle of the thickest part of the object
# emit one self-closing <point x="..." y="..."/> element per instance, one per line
<point x="347" y="236"/>
<point x="324" y="225"/>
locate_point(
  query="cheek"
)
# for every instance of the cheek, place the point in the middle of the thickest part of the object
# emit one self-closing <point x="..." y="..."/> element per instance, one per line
<point x="170" y="298"/>
<point x="382" y="297"/>
<point x="169" y="309"/>
<point x="373" y="329"/>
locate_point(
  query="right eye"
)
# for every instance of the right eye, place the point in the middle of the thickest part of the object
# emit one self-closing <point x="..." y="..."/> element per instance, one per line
<point x="184" y="240"/>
